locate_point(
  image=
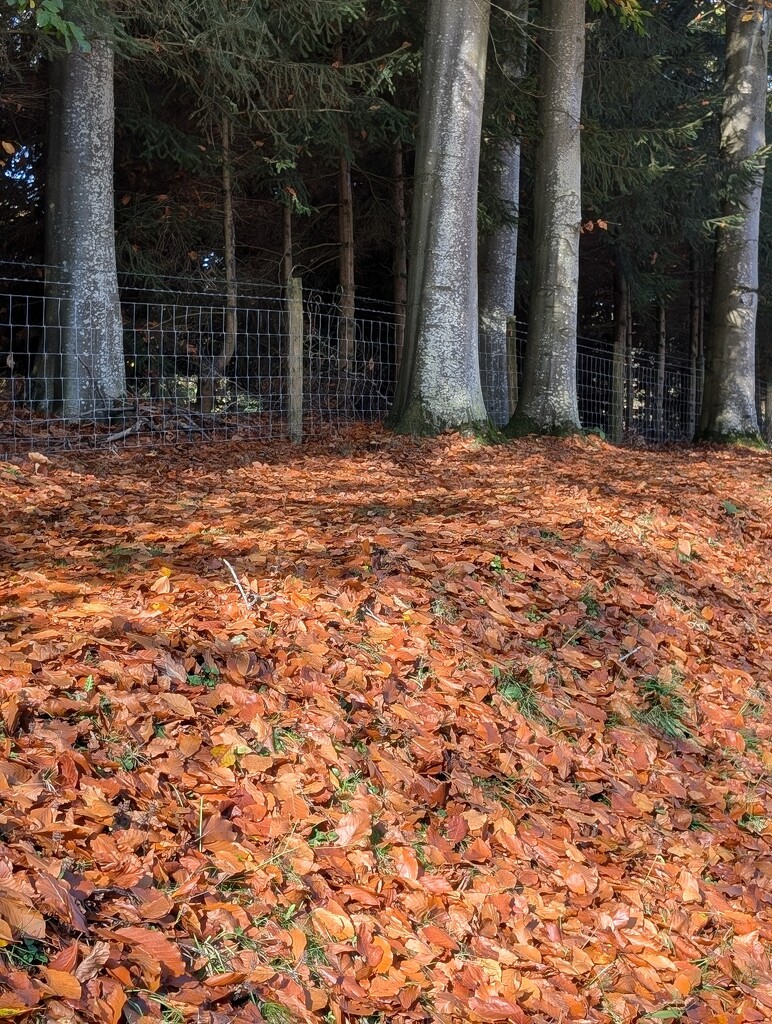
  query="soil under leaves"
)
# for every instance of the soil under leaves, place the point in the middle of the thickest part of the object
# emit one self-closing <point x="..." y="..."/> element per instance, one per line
<point x="492" y="742"/>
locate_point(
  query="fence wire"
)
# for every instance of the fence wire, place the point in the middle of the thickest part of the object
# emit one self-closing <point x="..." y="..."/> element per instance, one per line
<point x="168" y="367"/>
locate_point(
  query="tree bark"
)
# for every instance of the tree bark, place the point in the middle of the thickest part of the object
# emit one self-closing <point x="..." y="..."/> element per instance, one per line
<point x="729" y="402"/>
<point x="400" y="253"/>
<point x="47" y="368"/>
<point x="208" y="383"/>
<point x="617" y="425"/>
<point x="498" y="252"/>
<point x="83" y="235"/>
<point x="439" y="381"/>
<point x="288" y="256"/>
<point x="630" y="372"/>
<point x="659" y="405"/>
<point x="548" y="400"/>
<point x="229" y="228"/>
<point x="347" y="326"/>
<point x="695" y="345"/>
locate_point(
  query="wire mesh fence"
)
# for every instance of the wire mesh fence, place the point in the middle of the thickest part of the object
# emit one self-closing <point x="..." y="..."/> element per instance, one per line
<point x="174" y="364"/>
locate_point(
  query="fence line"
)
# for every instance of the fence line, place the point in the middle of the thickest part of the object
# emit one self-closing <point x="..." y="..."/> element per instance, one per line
<point x="171" y="378"/>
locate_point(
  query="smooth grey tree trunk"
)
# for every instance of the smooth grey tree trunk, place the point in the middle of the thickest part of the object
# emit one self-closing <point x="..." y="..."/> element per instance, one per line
<point x="439" y="382"/>
<point x="729" y="401"/>
<point x="498" y="264"/>
<point x="82" y="206"/>
<point x="498" y="250"/>
<point x="548" y="401"/>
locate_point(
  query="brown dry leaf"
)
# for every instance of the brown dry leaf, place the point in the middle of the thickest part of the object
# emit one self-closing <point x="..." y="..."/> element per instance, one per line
<point x="23" y="920"/>
<point x="62" y="984"/>
<point x="333" y="923"/>
<point x="179" y="704"/>
<point x="353" y="828"/>
<point x="155" y="945"/>
<point x="91" y="964"/>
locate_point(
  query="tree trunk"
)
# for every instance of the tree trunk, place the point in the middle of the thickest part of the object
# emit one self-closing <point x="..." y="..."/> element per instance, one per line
<point x="767" y="424"/>
<point x="498" y="252"/>
<point x="347" y="326"/>
<point x="83" y="235"/>
<point x="617" y="424"/>
<point x="47" y="368"/>
<point x="498" y="260"/>
<point x="208" y="383"/>
<point x="630" y="370"/>
<point x="288" y="256"/>
<point x="729" y="404"/>
<point x="400" y="253"/>
<point x="659" y="407"/>
<point x="229" y="226"/>
<point x="439" y="381"/>
<point x="694" y="348"/>
<point x="548" y="401"/>
<point x="701" y="344"/>
<point x="92" y="342"/>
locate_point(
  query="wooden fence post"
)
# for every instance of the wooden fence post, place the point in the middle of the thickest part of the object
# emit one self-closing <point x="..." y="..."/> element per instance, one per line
<point x="295" y="357"/>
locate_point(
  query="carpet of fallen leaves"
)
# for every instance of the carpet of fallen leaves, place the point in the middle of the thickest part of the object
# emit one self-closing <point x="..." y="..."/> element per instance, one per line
<point x="486" y="737"/>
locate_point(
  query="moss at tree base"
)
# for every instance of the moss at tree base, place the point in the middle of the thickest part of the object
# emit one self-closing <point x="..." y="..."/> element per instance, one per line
<point x="733" y="438"/>
<point x="417" y="421"/>
<point x="522" y="425"/>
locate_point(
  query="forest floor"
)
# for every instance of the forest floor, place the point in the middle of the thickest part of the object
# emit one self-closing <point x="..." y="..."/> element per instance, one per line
<point x="489" y="738"/>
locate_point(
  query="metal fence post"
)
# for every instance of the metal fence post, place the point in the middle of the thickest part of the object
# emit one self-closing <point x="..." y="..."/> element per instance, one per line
<point x="295" y="357"/>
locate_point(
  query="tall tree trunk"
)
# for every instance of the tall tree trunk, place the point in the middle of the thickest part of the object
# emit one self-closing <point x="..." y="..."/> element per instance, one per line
<point x="497" y="266"/>
<point x="659" y="407"/>
<point x="347" y="326"/>
<point x="729" y="404"/>
<point x="229" y="230"/>
<point x="694" y="346"/>
<point x="81" y="204"/>
<point x="400" y="252"/>
<point x="766" y="425"/>
<point x="630" y="369"/>
<point x="498" y="250"/>
<point x="208" y="382"/>
<point x="439" y="381"/>
<point x="548" y="401"/>
<point x="617" y="425"/>
<point x="701" y="343"/>
<point x="288" y="255"/>
<point x="47" y="368"/>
